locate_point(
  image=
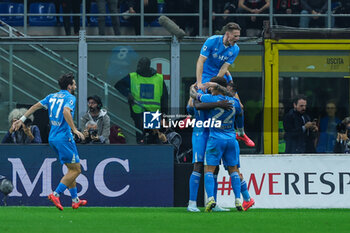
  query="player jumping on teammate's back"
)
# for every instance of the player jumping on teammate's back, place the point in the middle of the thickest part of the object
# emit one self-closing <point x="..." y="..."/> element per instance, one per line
<point x="222" y="143"/>
<point x="217" y="54"/>
<point x="61" y="106"/>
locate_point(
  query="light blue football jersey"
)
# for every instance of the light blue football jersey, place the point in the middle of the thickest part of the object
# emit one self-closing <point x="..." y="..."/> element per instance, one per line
<point x="217" y="54"/>
<point x="55" y="103"/>
<point x="227" y="117"/>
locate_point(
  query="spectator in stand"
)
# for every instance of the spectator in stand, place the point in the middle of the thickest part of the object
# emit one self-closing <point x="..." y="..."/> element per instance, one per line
<point x="287" y="7"/>
<point x="343" y="138"/>
<point x="26" y="134"/>
<point x="252" y="7"/>
<point x="328" y="129"/>
<point x="300" y="132"/>
<point x="220" y="21"/>
<point x="188" y="23"/>
<point x="58" y="4"/>
<point x="150" y="6"/>
<point x="342" y="8"/>
<point x="71" y="6"/>
<point x="113" y="8"/>
<point x="116" y="135"/>
<point x="101" y="129"/>
<point x="314" y="7"/>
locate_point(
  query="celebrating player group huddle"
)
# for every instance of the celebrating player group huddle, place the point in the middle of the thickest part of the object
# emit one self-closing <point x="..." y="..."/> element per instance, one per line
<point x="214" y="97"/>
<point x="210" y="146"/>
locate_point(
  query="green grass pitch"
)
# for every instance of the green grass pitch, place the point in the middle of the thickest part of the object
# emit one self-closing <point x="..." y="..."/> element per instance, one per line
<point x="164" y="220"/>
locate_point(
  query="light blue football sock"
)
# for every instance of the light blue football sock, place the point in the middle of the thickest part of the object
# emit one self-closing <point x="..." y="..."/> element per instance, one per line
<point x="244" y="191"/>
<point x="239" y="122"/>
<point x="195" y="178"/>
<point x="209" y="184"/>
<point x="60" y="188"/>
<point x="73" y="192"/>
<point x="236" y="184"/>
<point x="215" y="187"/>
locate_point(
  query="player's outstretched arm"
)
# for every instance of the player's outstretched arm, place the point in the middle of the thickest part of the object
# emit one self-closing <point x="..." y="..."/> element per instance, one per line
<point x="223" y="70"/>
<point x="206" y="106"/>
<point x="17" y="124"/>
<point x="68" y="117"/>
<point x="219" y="87"/>
<point x="199" y="71"/>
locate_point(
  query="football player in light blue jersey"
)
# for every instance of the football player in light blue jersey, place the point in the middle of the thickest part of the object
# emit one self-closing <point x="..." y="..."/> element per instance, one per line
<point x="218" y="57"/>
<point x="217" y="54"/>
<point x="61" y="106"/>
<point x="199" y="142"/>
<point x="222" y="143"/>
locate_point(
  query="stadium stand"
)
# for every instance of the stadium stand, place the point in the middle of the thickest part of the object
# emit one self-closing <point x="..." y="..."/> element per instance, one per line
<point x="42" y="8"/>
<point x="12" y="8"/>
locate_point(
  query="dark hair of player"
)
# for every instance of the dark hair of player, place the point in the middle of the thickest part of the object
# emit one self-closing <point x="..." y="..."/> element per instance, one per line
<point x="65" y="80"/>
<point x="233" y="86"/>
<point x="219" y="80"/>
<point x="231" y="26"/>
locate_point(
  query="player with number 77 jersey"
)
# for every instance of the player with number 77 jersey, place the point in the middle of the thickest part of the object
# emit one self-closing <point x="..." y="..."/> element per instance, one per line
<point x="61" y="106"/>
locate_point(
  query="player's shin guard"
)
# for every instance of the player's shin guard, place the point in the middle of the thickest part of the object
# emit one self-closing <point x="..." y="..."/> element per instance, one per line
<point x="194" y="185"/>
<point x="215" y="186"/>
<point x="60" y="188"/>
<point x="236" y="184"/>
<point x="209" y="184"/>
<point x="244" y="191"/>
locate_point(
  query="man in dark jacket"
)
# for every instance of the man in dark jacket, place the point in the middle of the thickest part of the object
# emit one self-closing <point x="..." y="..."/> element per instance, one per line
<point x="287" y="7"/>
<point x="146" y="91"/>
<point x="98" y="117"/>
<point x="299" y="130"/>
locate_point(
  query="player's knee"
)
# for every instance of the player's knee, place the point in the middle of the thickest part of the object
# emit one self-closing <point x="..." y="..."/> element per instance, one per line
<point x="233" y="169"/>
<point x="75" y="171"/>
<point x="198" y="167"/>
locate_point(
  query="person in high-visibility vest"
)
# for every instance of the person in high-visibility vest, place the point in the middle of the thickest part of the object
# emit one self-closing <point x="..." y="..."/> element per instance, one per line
<point x="146" y="92"/>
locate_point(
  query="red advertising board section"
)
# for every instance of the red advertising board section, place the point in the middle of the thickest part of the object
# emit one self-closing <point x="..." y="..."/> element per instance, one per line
<point x="292" y="181"/>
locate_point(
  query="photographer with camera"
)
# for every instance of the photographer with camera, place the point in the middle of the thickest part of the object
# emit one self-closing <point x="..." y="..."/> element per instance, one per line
<point x="90" y="133"/>
<point x="342" y="144"/>
<point x="26" y="134"/>
<point x="96" y="122"/>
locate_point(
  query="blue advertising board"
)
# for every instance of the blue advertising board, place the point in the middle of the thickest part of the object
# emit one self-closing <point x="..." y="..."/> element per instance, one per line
<point x="112" y="175"/>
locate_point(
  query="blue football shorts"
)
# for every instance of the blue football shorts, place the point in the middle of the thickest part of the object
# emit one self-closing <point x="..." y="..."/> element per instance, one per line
<point x="66" y="150"/>
<point x="225" y="149"/>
